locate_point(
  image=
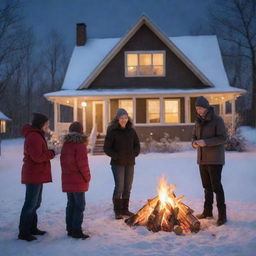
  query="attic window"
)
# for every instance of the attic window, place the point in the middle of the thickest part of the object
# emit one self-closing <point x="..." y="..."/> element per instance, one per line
<point x="143" y="64"/>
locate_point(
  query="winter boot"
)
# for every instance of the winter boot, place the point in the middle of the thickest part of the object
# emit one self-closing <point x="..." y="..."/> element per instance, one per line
<point x="118" y="207"/>
<point x="80" y="235"/>
<point x="38" y="232"/>
<point x="125" y="210"/>
<point x="27" y="237"/>
<point x="206" y="214"/>
<point x="222" y="215"/>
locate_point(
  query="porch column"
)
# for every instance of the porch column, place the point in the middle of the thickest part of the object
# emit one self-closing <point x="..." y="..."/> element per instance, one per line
<point x="233" y="111"/>
<point x="187" y="109"/>
<point x="56" y="111"/>
<point x="106" y="119"/>
<point x="84" y="118"/>
<point x="75" y="110"/>
<point x="161" y="110"/>
<point x="134" y="109"/>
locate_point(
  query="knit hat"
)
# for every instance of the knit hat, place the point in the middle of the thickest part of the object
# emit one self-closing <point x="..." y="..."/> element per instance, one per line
<point x="76" y="127"/>
<point x="120" y="112"/>
<point x="202" y="102"/>
<point x="39" y="120"/>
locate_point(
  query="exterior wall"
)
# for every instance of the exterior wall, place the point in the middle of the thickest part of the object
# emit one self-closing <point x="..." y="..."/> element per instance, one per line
<point x="184" y="132"/>
<point x="178" y="75"/>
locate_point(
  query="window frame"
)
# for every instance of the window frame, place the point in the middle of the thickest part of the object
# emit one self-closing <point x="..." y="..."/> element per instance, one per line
<point x="179" y="110"/>
<point x="147" y="112"/>
<point x="138" y="59"/>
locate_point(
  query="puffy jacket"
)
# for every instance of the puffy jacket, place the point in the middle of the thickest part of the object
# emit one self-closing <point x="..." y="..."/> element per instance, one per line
<point x="122" y="144"/>
<point x="36" y="167"/>
<point x="74" y="163"/>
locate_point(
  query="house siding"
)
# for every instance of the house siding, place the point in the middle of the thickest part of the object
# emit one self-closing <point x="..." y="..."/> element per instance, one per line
<point x="178" y="75"/>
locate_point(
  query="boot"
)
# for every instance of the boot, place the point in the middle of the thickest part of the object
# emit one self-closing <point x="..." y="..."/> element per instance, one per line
<point x="222" y="215"/>
<point x="118" y="207"/>
<point x="38" y="232"/>
<point x="80" y="235"/>
<point x="206" y="214"/>
<point x="125" y="210"/>
<point x="27" y="237"/>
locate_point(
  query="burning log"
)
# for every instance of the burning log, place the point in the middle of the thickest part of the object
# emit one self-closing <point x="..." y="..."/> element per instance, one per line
<point x="166" y="212"/>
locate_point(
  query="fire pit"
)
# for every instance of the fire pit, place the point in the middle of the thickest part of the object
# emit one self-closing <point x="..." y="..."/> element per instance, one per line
<point x="166" y="212"/>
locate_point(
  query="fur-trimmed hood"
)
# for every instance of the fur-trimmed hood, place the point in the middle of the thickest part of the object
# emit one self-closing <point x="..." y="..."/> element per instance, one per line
<point x="75" y="137"/>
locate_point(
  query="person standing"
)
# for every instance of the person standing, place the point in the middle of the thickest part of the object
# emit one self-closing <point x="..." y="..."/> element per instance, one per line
<point x="209" y="137"/>
<point x="75" y="178"/>
<point x="36" y="170"/>
<point x="122" y="145"/>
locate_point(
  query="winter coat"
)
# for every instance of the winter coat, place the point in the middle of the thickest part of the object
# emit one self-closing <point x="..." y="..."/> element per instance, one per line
<point x="36" y="167"/>
<point x="74" y="163"/>
<point x="122" y="144"/>
<point x="212" y="130"/>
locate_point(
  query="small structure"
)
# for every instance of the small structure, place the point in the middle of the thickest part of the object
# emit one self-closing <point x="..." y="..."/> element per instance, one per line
<point x="3" y="120"/>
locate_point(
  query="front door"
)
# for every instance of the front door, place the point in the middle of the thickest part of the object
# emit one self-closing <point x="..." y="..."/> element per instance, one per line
<point x="98" y="116"/>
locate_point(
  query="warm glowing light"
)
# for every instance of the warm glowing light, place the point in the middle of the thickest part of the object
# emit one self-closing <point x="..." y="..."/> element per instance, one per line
<point x="83" y="104"/>
<point x="68" y="101"/>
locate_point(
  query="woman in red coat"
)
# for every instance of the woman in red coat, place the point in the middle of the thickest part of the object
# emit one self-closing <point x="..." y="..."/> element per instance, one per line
<point x="75" y="178"/>
<point x="36" y="170"/>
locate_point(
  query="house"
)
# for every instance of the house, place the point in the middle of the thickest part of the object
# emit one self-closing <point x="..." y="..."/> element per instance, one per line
<point x="3" y="120"/>
<point x="156" y="78"/>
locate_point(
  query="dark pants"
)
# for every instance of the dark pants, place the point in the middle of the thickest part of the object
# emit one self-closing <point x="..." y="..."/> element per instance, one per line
<point x="75" y="211"/>
<point x="28" y="217"/>
<point x="211" y="180"/>
<point x="123" y="176"/>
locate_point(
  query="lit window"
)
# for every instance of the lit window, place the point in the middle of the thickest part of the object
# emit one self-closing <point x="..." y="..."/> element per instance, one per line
<point x="128" y="106"/>
<point x="145" y="64"/>
<point x="3" y="126"/>
<point x="171" y="110"/>
<point x="153" y="111"/>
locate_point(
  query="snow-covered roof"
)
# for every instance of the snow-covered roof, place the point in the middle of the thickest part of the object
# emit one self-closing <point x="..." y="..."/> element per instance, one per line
<point x="131" y="92"/>
<point x="4" y="117"/>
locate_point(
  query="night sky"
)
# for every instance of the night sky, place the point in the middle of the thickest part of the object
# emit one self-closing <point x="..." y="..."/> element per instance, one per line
<point x="112" y="18"/>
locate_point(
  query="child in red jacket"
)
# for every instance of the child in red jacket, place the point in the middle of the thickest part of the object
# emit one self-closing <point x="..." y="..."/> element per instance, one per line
<point x="75" y="178"/>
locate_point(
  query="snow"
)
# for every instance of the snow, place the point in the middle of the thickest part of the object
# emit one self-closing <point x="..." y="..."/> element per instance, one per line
<point x="249" y="134"/>
<point x="111" y="237"/>
<point x="4" y="117"/>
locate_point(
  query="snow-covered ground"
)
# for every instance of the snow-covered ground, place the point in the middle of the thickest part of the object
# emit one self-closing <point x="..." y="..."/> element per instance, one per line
<point x="111" y="237"/>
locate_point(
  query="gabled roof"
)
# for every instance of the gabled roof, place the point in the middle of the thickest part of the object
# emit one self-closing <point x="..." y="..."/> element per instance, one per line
<point x="200" y="53"/>
<point x="4" y="117"/>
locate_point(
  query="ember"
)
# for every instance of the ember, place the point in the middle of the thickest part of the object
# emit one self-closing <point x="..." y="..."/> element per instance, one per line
<point x="166" y="212"/>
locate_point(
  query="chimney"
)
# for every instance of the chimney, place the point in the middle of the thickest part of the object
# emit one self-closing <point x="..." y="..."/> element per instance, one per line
<point x="81" y="36"/>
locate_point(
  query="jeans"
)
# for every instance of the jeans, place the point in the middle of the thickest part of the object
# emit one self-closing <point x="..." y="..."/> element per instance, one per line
<point x="75" y="211"/>
<point x="28" y="217"/>
<point x="211" y="181"/>
<point x="123" y="176"/>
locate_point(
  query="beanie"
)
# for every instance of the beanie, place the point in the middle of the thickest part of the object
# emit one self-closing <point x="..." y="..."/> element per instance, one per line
<point x="76" y="127"/>
<point x="202" y="102"/>
<point x="39" y="120"/>
<point x="120" y="112"/>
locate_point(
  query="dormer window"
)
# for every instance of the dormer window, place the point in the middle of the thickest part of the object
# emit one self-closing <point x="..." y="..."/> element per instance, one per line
<point x="145" y="63"/>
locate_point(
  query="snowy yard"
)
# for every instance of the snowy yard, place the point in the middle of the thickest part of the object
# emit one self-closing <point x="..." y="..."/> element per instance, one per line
<point x="111" y="237"/>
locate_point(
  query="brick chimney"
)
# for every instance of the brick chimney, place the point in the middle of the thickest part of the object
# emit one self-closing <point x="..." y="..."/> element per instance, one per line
<point x="81" y="35"/>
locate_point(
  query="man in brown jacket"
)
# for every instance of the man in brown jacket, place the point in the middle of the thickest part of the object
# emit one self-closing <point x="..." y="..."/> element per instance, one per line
<point x="209" y="137"/>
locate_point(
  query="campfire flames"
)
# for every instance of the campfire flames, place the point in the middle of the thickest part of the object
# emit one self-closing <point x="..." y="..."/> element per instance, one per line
<point x="166" y="212"/>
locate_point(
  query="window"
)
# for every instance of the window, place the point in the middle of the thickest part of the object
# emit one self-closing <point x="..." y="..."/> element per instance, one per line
<point x="2" y="126"/>
<point x="145" y="64"/>
<point x="153" y="111"/>
<point x="228" y="107"/>
<point x="127" y="105"/>
<point x="172" y="110"/>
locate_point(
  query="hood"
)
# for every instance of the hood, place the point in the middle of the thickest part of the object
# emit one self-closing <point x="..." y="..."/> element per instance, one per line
<point x="207" y="118"/>
<point x="27" y="128"/>
<point x="75" y="137"/>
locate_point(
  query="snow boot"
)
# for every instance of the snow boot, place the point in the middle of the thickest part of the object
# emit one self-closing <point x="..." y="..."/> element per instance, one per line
<point x="80" y="235"/>
<point x="38" y="232"/>
<point x="118" y="207"/>
<point x="125" y="210"/>
<point x="206" y="214"/>
<point x="222" y="215"/>
<point x="27" y="237"/>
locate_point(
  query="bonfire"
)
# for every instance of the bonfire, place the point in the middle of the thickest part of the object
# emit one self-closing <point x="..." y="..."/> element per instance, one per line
<point x="166" y="212"/>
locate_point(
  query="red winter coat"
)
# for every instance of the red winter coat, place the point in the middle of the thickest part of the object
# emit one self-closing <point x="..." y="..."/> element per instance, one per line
<point x="36" y="167"/>
<point x="74" y="164"/>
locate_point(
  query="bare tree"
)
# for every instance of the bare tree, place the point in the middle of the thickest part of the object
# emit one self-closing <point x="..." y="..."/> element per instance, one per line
<point x="235" y="24"/>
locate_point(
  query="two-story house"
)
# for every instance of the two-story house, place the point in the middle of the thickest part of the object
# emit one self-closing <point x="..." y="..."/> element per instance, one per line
<point x="156" y="78"/>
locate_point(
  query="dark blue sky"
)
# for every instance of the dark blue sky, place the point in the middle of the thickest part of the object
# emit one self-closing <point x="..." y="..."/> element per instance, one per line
<point x="112" y="18"/>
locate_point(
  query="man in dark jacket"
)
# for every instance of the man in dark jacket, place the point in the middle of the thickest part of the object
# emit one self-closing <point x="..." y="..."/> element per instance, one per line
<point x="122" y="145"/>
<point x="209" y="137"/>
